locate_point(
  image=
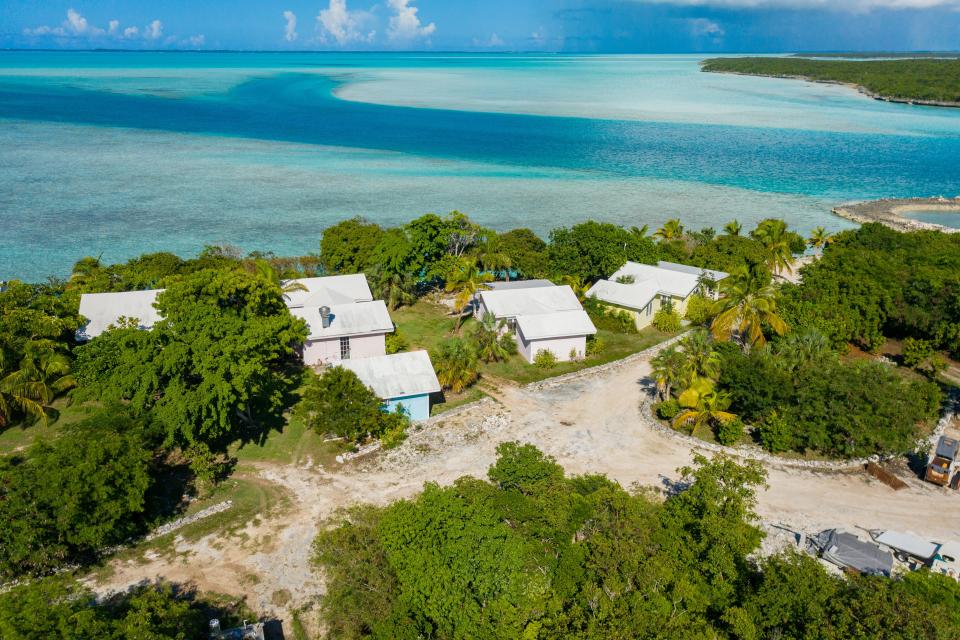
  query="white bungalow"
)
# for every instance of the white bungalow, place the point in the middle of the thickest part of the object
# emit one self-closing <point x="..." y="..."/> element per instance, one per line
<point x="103" y="310"/>
<point x="405" y="379"/>
<point x="642" y="289"/>
<point x="545" y="318"/>
<point x="345" y="331"/>
<point x="328" y="291"/>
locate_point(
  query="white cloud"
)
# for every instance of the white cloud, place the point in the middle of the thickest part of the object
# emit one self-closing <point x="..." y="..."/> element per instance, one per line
<point x="704" y="28"/>
<point x="405" y="24"/>
<point x="74" y="25"/>
<point x="78" y="24"/>
<point x="196" y="41"/>
<point x="290" y="29"/>
<point x="114" y="27"/>
<point x="834" y="5"/>
<point x="131" y="32"/>
<point x="343" y="25"/>
<point x="153" y="31"/>
<point x="44" y="30"/>
<point x="492" y="42"/>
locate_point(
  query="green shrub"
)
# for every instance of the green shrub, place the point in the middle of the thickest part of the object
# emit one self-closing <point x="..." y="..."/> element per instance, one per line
<point x="595" y="345"/>
<point x="699" y="310"/>
<point x="545" y="359"/>
<point x="776" y="435"/>
<point x="667" y="320"/>
<point x="668" y="409"/>
<point x="729" y="432"/>
<point x="395" y="342"/>
<point x="509" y="344"/>
<point x="610" y="318"/>
<point x="395" y="426"/>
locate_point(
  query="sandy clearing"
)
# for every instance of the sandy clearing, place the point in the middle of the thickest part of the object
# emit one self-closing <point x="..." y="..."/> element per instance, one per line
<point x="590" y="424"/>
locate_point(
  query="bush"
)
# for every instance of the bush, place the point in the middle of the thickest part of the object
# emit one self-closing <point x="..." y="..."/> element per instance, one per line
<point x="509" y="344"/>
<point x="456" y="364"/>
<point x="394" y="430"/>
<point x="776" y="435"/>
<point x="667" y="320"/>
<point x="668" y="409"/>
<point x="395" y="342"/>
<point x="699" y="310"/>
<point x="609" y="318"/>
<point x="729" y="432"/>
<point x="338" y="402"/>
<point x="595" y="345"/>
<point x="545" y="359"/>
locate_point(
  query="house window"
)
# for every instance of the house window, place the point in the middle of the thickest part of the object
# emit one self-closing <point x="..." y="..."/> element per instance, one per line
<point x="649" y="309"/>
<point x="344" y="348"/>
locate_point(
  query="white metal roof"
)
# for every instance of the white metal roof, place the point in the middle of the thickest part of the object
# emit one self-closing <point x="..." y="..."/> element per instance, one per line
<point x="713" y="274"/>
<point x="519" y="284"/>
<point x="633" y="296"/>
<point x="397" y="375"/>
<point x="105" y="309"/>
<point x="555" y="325"/>
<point x="517" y="302"/>
<point x="347" y="319"/>
<point x="329" y="291"/>
<point x="909" y="542"/>
<point x="670" y="282"/>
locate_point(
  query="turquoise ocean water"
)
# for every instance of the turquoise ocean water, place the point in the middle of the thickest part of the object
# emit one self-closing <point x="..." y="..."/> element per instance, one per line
<point x="116" y="153"/>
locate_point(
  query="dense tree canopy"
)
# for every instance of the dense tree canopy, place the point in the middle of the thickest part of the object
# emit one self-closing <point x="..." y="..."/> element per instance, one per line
<point x="594" y="250"/>
<point x="220" y="360"/>
<point x="65" y="499"/>
<point x="532" y="553"/>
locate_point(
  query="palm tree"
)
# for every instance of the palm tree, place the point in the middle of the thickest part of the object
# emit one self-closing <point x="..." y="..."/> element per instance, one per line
<point x="43" y="375"/>
<point x="456" y="365"/>
<point x="773" y="235"/>
<point x="799" y="350"/>
<point x="486" y="337"/>
<point x="395" y="289"/>
<point x="494" y="258"/>
<point x="671" y="230"/>
<point x="579" y="286"/>
<point x="749" y="300"/>
<point x="267" y="271"/>
<point x="819" y="239"/>
<point x="668" y="367"/>
<point x="711" y="409"/>
<point x="701" y="360"/>
<point x="466" y="281"/>
<point x="733" y="228"/>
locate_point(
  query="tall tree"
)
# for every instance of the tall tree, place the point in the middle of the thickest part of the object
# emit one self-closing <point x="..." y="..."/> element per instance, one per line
<point x="456" y="365"/>
<point x="466" y="281"/>
<point x="43" y="374"/>
<point x="347" y="246"/>
<point x="819" y="239"/>
<point x="774" y="235"/>
<point x="668" y="370"/>
<point x="671" y="230"/>
<point x="748" y="302"/>
<point x="733" y="228"/>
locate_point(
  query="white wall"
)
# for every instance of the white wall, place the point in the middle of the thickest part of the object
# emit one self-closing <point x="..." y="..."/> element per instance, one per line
<point x="560" y="347"/>
<point x="327" y="351"/>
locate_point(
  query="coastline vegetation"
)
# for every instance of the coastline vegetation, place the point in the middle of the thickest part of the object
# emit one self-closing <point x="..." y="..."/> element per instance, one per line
<point x="133" y="420"/>
<point x="923" y="80"/>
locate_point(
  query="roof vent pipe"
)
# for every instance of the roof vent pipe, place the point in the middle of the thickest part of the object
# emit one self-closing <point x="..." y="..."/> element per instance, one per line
<point x="325" y="317"/>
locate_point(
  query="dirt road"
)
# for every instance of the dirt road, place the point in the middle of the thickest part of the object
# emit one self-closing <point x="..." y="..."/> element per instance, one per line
<point x="590" y="425"/>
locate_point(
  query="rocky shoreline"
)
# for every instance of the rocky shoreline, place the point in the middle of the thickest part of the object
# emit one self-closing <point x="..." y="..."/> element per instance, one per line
<point x="889" y="212"/>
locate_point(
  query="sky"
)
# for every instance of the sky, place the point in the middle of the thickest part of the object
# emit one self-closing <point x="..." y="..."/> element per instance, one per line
<point x="575" y="26"/>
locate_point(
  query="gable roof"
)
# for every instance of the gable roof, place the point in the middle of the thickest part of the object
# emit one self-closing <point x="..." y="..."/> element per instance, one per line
<point x="669" y="282"/>
<point x="347" y="319"/>
<point x="713" y="274"/>
<point x="519" y="284"/>
<point x="328" y="291"/>
<point x="104" y="309"/>
<point x="397" y="375"/>
<point x="632" y="296"/>
<point x="517" y="302"/>
<point x="560" y="324"/>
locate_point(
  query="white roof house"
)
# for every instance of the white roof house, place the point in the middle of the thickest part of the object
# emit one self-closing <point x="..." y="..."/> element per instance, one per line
<point x="105" y="309"/>
<point x="669" y="281"/>
<point x="329" y="291"/>
<point x="541" y="326"/>
<point x="354" y="318"/>
<point x="712" y="274"/>
<point x="633" y="296"/>
<point x="519" y="284"/>
<point x="511" y="303"/>
<point x="397" y="375"/>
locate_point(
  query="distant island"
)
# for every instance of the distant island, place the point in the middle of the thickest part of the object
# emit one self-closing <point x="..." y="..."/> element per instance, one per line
<point x="926" y="81"/>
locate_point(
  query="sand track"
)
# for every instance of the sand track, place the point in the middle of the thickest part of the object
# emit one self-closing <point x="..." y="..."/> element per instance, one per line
<point x="590" y="424"/>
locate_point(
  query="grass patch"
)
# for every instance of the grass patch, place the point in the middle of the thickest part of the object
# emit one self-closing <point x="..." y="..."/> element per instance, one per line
<point x="425" y="325"/>
<point x="19" y="436"/>
<point x="296" y="444"/>
<point x="452" y="401"/>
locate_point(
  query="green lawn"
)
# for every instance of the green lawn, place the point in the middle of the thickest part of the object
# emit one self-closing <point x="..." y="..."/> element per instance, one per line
<point x="426" y="324"/>
<point x="18" y="436"/>
<point x="296" y="444"/>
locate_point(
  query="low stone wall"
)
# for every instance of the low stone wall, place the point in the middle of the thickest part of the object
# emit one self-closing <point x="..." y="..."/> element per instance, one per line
<point x="179" y="523"/>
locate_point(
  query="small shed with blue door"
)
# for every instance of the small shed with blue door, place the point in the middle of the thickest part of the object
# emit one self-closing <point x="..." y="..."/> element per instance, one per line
<point x="406" y="379"/>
